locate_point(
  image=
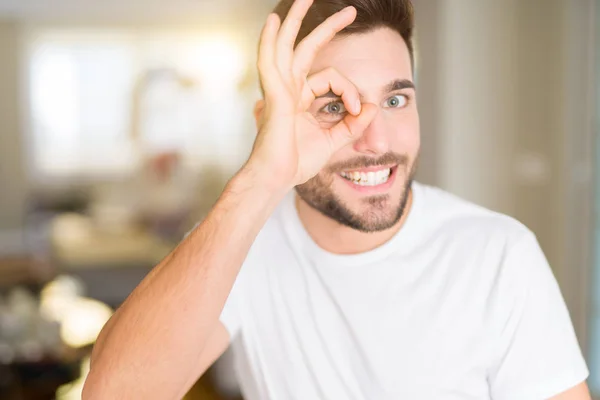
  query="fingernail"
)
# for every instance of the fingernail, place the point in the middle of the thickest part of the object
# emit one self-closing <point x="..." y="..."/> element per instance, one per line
<point x="348" y="10"/>
<point x="357" y="106"/>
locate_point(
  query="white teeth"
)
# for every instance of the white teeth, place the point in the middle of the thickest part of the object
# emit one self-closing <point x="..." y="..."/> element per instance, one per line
<point x="371" y="178"/>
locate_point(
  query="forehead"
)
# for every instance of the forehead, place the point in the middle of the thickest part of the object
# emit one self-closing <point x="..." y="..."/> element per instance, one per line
<point x="369" y="60"/>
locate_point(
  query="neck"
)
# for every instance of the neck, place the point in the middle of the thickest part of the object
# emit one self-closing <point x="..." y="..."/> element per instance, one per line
<point x="336" y="238"/>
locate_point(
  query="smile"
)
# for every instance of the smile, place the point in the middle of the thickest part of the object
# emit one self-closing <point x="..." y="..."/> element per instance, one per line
<point x="370" y="178"/>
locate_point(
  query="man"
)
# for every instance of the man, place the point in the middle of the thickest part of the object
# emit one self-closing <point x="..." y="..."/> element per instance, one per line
<point x="360" y="283"/>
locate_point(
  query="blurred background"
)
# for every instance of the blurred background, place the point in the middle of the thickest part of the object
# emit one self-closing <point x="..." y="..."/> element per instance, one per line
<point x="121" y="121"/>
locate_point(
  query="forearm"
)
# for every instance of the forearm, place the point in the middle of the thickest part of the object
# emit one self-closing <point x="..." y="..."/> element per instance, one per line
<point x="150" y="346"/>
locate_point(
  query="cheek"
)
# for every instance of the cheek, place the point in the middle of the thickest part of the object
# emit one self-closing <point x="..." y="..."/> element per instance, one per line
<point x="322" y="181"/>
<point x="406" y="139"/>
<point x="345" y="153"/>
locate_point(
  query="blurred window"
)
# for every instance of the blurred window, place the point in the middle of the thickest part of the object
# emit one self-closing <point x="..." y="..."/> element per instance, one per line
<point x="98" y="101"/>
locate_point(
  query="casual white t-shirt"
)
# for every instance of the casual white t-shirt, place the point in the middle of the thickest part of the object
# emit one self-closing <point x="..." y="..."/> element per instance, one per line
<point x="459" y="304"/>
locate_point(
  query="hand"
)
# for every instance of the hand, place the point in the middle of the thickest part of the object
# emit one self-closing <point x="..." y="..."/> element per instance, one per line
<point x="291" y="146"/>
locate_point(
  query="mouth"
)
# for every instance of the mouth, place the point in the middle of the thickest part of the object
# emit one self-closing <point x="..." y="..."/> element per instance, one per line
<point x="370" y="179"/>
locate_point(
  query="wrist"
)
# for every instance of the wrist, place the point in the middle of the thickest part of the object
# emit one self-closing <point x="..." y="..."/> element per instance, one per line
<point x="270" y="179"/>
<point x="267" y="188"/>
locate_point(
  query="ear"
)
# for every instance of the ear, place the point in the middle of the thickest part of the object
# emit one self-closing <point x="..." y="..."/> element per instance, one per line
<point x="258" y="111"/>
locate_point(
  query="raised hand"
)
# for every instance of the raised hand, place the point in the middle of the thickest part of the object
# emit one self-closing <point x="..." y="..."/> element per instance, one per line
<point x="292" y="146"/>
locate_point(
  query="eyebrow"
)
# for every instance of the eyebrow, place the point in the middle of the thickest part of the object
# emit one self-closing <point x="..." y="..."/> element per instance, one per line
<point x="397" y="84"/>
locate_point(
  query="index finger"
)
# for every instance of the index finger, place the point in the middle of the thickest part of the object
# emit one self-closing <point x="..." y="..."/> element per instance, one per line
<point x="309" y="47"/>
<point x="289" y="31"/>
<point x="266" y="52"/>
<point x="331" y="81"/>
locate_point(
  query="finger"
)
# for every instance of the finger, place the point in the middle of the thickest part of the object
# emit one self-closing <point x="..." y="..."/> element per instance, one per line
<point x="267" y="69"/>
<point x="352" y="127"/>
<point x="289" y="32"/>
<point x="331" y="80"/>
<point x="309" y="47"/>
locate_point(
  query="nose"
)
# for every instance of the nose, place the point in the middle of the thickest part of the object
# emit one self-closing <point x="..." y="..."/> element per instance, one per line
<point x="375" y="138"/>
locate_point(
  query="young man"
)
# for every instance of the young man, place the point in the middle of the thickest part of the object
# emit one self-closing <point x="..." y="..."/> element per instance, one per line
<point x="360" y="283"/>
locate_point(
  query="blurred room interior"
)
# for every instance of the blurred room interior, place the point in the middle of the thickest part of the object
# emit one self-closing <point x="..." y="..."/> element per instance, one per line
<point x="121" y="121"/>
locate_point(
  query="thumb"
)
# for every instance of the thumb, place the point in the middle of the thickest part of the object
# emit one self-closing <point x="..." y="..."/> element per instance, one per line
<point x="351" y="128"/>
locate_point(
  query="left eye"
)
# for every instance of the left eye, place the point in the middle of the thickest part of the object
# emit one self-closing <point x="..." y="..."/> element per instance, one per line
<point x="335" y="107"/>
<point x="396" y="101"/>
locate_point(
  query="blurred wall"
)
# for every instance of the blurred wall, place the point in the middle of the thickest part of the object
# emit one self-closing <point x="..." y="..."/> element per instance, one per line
<point x="580" y="64"/>
<point x="428" y="79"/>
<point x="594" y="331"/>
<point x="13" y="183"/>
<point x="505" y="103"/>
<point x="478" y="73"/>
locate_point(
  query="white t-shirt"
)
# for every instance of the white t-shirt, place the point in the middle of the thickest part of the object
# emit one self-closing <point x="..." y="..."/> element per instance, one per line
<point x="459" y="304"/>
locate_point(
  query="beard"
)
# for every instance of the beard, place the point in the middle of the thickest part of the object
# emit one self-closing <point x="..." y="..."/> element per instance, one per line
<point x="378" y="213"/>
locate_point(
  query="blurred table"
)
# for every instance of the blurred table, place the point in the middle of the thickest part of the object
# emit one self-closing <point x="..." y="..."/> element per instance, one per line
<point x="22" y="270"/>
<point x="111" y="261"/>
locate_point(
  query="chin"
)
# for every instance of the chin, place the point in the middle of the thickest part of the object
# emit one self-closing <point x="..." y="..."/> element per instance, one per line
<point x="375" y="212"/>
<point x="379" y="206"/>
<point x="367" y="202"/>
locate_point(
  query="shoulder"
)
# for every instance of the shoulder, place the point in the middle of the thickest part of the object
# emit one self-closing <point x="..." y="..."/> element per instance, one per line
<point x="446" y="214"/>
<point x="497" y="246"/>
<point x="502" y="255"/>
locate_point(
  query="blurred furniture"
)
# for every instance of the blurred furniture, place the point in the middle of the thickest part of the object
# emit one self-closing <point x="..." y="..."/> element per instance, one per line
<point x="35" y="357"/>
<point x="110" y="260"/>
<point x="39" y="380"/>
<point x="22" y="270"/>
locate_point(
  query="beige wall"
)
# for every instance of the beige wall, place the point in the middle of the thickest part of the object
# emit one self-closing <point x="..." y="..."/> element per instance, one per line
<point x="580" y="65"/>
<point x="540" y="128"/>
<point x="478" y="92"/>
<point x="13" y="187"/>
<point x="428" y="82"/>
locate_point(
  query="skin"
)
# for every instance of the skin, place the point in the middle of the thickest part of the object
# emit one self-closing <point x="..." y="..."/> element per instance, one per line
<point x="298" y="145"/>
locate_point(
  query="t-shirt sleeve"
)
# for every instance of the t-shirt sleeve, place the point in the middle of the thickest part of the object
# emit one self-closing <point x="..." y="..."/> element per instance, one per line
<point x="231" y="316"/>
<point x="538" y="355"/>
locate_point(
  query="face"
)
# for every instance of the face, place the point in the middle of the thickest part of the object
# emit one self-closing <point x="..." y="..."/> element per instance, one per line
<point x="366" y="184"/>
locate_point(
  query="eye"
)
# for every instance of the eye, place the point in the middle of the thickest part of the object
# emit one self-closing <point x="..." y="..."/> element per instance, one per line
<point x="335" y="107"/>
<point x="397" y="101"/>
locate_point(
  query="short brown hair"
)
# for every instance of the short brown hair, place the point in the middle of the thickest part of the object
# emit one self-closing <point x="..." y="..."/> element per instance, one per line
<point x="397" y="15"/>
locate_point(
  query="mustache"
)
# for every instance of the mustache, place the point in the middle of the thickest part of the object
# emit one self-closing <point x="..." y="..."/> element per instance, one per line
<point x="364" y="162"/>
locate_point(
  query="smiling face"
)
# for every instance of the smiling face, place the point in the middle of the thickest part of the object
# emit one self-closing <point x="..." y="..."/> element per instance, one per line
<point x="366" y="184"/>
